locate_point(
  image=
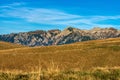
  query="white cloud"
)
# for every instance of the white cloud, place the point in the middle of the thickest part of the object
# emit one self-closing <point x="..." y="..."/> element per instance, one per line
<point x="51" y="16"/>
<point x="15" y="4"/>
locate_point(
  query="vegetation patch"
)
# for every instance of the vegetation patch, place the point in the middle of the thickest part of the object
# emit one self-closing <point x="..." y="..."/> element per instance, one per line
<point x="94" y="74"/>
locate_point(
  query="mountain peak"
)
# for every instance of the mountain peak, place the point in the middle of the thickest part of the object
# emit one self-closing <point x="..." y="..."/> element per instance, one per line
<point x="71" y="29"/>
<point x="96" y="28"/>
<point x="58" y="37"/>
<point x="111" y="28"/>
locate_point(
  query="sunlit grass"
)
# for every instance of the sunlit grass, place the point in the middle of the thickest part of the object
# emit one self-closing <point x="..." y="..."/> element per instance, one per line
<point x="54" y="74"/>
<point x="64" y="62"/>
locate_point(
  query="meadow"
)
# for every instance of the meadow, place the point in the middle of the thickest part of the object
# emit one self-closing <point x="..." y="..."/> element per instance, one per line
<point x="89" y="60"/>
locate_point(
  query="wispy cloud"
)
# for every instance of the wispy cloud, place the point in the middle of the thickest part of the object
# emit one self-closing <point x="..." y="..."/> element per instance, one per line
<point x="52" y="16"/>
<point x="15" y="4"/>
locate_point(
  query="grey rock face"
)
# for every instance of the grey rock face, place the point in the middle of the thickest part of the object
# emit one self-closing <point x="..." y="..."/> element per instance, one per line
<point x="57" y="37"/>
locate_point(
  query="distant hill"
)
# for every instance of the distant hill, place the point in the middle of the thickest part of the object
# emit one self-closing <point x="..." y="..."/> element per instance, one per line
<point x="7" y="45"/>
<point x="58" y="37"/>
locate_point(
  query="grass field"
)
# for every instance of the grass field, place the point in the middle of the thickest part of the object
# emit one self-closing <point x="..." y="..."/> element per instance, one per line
<point x="7" y="45"/>
<point x="78" y="61"/>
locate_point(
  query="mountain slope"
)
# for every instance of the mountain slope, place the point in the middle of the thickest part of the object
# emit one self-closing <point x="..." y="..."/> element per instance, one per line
<point x="57" y="37"/>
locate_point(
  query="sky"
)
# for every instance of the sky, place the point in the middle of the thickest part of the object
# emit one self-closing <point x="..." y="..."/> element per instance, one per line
<point x="29" y="15"/>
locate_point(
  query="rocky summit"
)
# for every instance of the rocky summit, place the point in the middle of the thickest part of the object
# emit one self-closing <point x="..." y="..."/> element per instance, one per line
<point x="58" y="37"/>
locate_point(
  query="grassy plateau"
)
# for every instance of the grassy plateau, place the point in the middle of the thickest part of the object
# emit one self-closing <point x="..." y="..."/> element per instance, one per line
<point x="89" y="60"/>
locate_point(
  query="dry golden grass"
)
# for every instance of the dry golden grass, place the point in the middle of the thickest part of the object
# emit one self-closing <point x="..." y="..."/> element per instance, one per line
<point x="100" y="73"/>
<point x="78" y="61"/>
<point x="7" y="45"/>
<point x="77" y="56"/>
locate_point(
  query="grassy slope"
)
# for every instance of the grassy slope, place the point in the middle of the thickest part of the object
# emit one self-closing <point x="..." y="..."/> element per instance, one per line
<point x="79" y="56"/>
<point x="7" y="45"/>
<point x="80" y="61"/>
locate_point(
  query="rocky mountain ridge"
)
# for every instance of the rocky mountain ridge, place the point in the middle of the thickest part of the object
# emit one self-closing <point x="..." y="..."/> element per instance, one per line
<point x="58" y="37"/>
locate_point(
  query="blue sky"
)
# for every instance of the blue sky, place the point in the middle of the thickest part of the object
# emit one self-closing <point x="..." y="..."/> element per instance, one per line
<point x="28" y="15"/>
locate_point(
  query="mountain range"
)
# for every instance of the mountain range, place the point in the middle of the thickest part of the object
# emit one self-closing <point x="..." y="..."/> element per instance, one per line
<point x="58" y="37"/>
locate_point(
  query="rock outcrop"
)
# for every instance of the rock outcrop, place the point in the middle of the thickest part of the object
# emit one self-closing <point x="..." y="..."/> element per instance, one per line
<point x="58" y="37"/>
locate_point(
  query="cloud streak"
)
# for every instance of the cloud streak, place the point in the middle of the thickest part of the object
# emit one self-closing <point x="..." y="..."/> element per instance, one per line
<point x="52" y="16"/>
